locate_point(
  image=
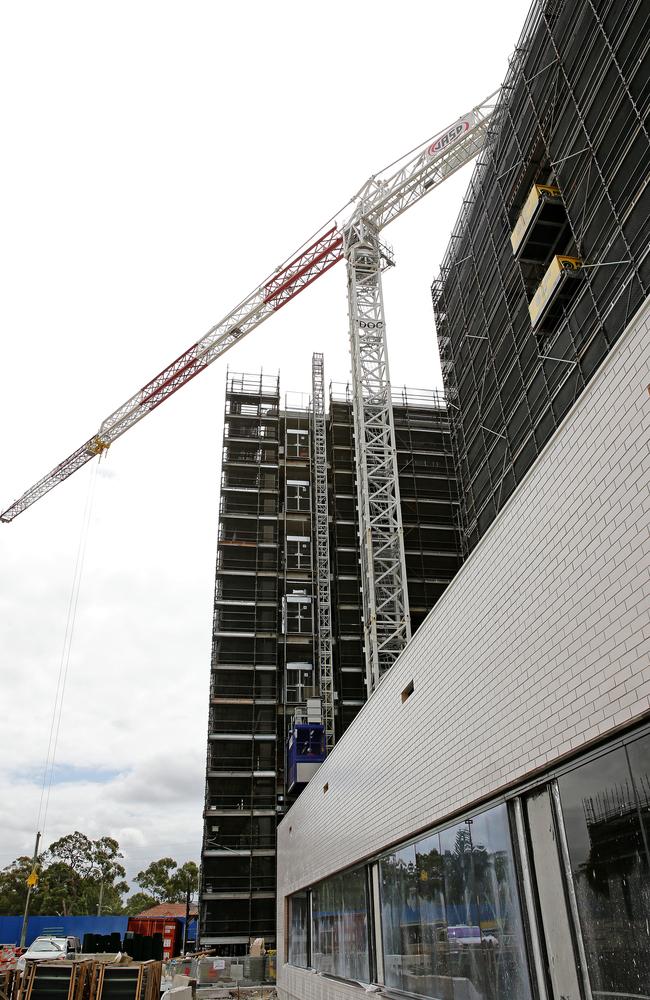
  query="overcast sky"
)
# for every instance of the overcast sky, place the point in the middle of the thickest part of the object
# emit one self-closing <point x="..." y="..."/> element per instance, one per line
<point x="159" y="160"/>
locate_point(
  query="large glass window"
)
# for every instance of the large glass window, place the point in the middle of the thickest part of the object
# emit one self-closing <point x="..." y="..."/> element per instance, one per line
<point x="606" y="811"/>
<point x="299" y="930"/>
<point x="450" y="914"/>
<point x="340" y="926"/>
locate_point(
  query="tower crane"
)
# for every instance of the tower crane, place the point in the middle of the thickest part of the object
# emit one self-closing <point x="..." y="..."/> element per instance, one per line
<point x="379" y="201"/>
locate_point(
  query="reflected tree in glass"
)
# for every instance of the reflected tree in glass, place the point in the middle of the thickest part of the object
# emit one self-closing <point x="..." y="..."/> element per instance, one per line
<point x="451" y="923"/>
<point x="605" y="808"/>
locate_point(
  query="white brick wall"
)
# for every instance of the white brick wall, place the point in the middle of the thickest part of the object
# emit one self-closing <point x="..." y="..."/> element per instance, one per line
<point x="539" y="646"/>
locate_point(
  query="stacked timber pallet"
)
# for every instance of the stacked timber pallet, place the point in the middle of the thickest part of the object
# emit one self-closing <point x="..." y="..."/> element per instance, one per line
<point x="90" y="979"/>
<point x="9" y="984"/>
<point x="55" y="981"/>
<point x="128" y="981"/>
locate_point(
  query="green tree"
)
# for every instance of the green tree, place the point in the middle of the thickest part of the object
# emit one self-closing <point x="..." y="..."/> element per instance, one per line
<point x="82" y="872"/>
<point x="187" y="876"/>
<point x="166" y="882"/>
<point x="138" y="902"/>
<point x="13" y="887"/>
<point x="61" y="891"/>
<point x="74" y="873"/>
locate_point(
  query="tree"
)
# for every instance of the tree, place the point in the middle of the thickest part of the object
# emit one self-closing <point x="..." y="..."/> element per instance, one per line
<point x="73" y="874"/>
<point x="61" y="891"/>
<point x="13" y="886"/>
<point x="168" y="883"/>
<point x="82" y="872"/>
<point x="187" y="877"/>
<point x="138" y="902"/>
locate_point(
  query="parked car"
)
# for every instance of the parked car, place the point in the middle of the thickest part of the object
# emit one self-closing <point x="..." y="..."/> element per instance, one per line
<point x="47" y="947"/>
<point x="465" y="935"/>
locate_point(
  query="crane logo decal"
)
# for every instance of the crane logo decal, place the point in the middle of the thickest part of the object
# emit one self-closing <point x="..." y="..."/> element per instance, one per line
<point x="448" y="138"/>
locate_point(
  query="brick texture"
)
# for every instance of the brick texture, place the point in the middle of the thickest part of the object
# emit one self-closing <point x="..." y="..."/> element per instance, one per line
<point x="538" y="647"/>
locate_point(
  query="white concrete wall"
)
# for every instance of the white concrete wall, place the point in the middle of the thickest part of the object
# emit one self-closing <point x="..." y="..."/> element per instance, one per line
<point x="538" y="647"/>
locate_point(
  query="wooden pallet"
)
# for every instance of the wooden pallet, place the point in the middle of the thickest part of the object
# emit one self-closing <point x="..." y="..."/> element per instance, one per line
<point x="130" y="981"/>
<point x="56" y="981"/>
<point x="9" y="984"/>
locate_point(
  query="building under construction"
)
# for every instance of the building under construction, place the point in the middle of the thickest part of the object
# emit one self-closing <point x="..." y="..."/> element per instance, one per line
<point x="549" y="259"/>
<point x="269" y="664"/>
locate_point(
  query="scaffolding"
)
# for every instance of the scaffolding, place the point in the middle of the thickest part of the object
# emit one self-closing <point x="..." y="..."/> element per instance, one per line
<point x="238" y="853"/>
<point x="322" y="537"/>
<point x="428" y="502"/>
<point x="284" y="471"/>
<point x="562" y="178"/>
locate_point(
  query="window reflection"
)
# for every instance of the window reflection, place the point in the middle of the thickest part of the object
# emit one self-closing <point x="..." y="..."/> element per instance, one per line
<point x="340" y="926"/>
<point x="450" y="914"/>
<point x="606" y="809"/>
<point x="299" y="930"/>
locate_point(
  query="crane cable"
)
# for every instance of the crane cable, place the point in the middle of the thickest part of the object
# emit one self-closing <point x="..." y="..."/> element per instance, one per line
<point x="57" y="708"/>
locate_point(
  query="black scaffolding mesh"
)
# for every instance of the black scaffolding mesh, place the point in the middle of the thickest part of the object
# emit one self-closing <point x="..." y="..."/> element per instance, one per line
<point x="572" y="114"/>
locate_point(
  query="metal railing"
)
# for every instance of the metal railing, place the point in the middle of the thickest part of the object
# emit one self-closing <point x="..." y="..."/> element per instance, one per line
<point x="240" y="883"/>
<point x="262" y="534"/>
<point x="240" y="803"/>
<point x="236" y="689"/>
<point x="241" y="762"/>
<point x="243" y="725"/>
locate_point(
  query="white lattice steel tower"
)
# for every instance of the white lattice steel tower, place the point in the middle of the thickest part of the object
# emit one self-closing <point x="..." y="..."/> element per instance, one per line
<point x="387" y="626"/>
<point x="322" y="536"/>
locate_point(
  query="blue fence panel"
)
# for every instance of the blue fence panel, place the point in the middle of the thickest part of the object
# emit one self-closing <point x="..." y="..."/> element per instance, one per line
<point x="10" y="927"/>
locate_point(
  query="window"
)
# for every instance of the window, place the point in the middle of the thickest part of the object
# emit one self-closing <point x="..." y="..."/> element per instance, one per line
<point x="298" y="552"/>
<point x="340" y="926"/>
<point x="298" y="681"/>
<point x="297" y="443"/>
<point x="297" y="495"/>
<point x="450" y="914"/>
<point x="297" y="614"/>
<point x="606" y="813"/>
<point x="299" y="930"/>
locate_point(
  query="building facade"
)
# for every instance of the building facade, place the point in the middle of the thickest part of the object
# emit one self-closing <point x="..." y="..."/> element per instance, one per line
<point x="481" y="830"/>
<point x="549" y="258"/>
<point x="265" y="622"/>
<point x="494" y="793"/>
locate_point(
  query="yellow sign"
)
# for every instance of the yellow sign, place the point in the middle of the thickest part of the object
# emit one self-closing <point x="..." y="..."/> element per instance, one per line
<point x="32" y="880"/>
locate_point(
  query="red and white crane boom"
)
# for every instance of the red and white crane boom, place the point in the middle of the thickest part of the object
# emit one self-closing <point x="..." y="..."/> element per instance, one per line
<point x="381" y="199"/>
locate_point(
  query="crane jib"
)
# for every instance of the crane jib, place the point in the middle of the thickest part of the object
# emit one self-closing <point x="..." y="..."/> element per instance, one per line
<point x="380" y="200"/>
<point x="181" y="372"/>
<point x="326" y="251"/>
<point x="452" y="134"/>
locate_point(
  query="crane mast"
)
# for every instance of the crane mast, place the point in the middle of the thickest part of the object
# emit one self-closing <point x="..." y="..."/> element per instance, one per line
<point x="386" y="619"/>
<point x="383" y="198"/>
<point x="322" y="536"/>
